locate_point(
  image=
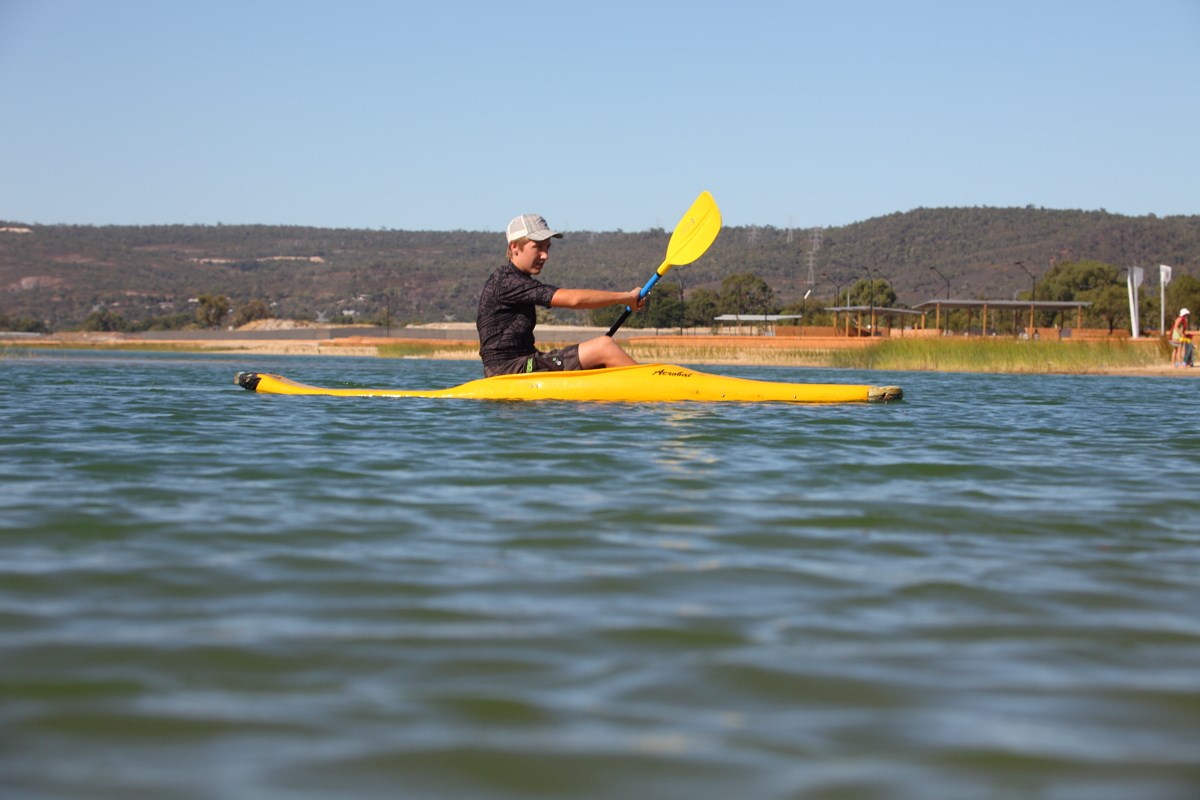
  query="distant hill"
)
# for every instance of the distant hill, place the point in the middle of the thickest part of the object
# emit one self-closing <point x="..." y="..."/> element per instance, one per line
<point x="60" y="273"/>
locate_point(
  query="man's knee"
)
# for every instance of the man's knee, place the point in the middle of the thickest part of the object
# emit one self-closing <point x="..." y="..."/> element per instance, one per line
<point x="602" y="352"/>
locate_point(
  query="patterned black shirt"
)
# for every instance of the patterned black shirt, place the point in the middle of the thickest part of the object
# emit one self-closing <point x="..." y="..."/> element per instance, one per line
<point x="507" y="315"/>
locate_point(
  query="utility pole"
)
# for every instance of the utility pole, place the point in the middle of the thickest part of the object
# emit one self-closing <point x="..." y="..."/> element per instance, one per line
<point x="1032" y="297"/>
<point x="938" y="321"/>
<point x="814" y="245"/>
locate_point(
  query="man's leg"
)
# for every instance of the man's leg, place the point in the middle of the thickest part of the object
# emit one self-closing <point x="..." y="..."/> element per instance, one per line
<point x="603" y="352"/>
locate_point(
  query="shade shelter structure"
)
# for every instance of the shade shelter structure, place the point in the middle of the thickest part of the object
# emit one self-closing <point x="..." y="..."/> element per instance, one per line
<point x="763" y="320"/>
<point x="997" y="306"/>
<point x="866" y="318"/>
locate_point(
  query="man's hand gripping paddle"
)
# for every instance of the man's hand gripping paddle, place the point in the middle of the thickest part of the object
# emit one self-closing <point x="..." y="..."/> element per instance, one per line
<point x="693" y="235"/>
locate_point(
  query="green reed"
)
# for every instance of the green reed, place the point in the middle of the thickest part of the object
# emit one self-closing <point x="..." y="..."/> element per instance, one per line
<point x="1002" y="355"/>
<point x="428" y="349"/>
<point x="152" y="347"/>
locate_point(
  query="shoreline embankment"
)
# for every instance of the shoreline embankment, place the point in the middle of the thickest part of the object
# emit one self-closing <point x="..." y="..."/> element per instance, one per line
<point x="457" y="341"/>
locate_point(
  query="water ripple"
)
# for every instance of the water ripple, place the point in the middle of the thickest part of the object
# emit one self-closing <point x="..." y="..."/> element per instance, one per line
<point x="986" y="591"/>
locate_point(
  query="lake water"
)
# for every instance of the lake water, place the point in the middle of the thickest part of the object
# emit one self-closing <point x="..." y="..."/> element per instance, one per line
<point x="990" y="590"/>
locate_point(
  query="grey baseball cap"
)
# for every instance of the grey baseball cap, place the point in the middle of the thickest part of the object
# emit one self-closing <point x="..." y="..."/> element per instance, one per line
<point x="532" y="227"/>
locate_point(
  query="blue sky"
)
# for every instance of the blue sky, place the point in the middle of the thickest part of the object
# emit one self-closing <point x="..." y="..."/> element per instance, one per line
<point x="601" y="116"/>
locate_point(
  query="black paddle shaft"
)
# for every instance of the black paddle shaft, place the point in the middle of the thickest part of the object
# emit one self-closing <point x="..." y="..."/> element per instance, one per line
<point x="620" y="321"/>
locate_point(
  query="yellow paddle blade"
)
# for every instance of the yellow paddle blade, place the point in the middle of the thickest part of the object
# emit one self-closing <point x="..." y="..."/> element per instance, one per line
<point x="694" y="234"/>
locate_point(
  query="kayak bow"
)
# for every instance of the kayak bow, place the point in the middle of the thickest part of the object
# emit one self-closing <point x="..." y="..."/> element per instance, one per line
<point x="641" y="383"/>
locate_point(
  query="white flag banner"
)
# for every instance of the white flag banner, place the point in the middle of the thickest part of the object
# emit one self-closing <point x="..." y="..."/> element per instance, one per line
<point x="1133" y="280"/>
<point x="1164" y="277"/>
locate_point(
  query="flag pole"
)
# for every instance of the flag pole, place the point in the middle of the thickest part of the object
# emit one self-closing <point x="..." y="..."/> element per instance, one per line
<point x="1164" y="277"/>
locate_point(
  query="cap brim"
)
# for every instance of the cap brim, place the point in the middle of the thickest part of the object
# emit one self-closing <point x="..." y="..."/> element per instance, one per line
<point x="541" y="236"/>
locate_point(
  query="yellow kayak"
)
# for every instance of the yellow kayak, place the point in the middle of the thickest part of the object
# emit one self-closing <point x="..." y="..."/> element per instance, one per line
<point x="641" y="383"/>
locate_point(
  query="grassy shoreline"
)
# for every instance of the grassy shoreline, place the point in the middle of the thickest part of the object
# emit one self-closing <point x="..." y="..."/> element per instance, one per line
<point x="1004" y="356"/>
<point x="910" y="355"/>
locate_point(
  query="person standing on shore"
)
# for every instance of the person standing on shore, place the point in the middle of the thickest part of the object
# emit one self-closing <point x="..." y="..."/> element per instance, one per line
<point x="507" y="310"/>
<point x="1181" y="341"/>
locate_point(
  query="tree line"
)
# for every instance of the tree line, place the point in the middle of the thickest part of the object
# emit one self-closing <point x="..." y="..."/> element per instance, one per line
<point x="57" y="277"/>
<point x="672" y="305"/>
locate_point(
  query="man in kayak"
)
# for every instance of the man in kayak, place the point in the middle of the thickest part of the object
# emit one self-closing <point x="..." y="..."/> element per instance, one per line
<point x="507" y="312"/>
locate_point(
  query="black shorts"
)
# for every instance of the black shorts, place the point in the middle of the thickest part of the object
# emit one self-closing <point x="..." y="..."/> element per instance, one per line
<point x="563" y="360"/>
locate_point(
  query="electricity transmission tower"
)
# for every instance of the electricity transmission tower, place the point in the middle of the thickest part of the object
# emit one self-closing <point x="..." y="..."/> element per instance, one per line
<point x="814" y="240"/>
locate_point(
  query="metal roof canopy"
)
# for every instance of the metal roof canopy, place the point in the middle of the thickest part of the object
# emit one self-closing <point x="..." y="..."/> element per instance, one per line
<point x="998" y="306"/>
<point x="873" y="315"/>
<point x="1044" y="305"/>
<point x="880" y="311"/>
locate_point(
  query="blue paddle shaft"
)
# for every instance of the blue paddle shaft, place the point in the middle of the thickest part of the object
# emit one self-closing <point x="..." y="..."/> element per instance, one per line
<point x="625" y="314"/>
<point x="649" y="285"/>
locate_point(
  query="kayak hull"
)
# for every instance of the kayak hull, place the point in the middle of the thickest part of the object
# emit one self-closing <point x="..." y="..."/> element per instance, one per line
<point x="641" y="383"/>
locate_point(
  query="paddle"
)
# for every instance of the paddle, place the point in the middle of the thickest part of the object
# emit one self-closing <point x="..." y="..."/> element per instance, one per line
<point x="695" y="232"/>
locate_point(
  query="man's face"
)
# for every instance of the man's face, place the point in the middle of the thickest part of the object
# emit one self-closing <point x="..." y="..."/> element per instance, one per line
<point x="531" y="256"/>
